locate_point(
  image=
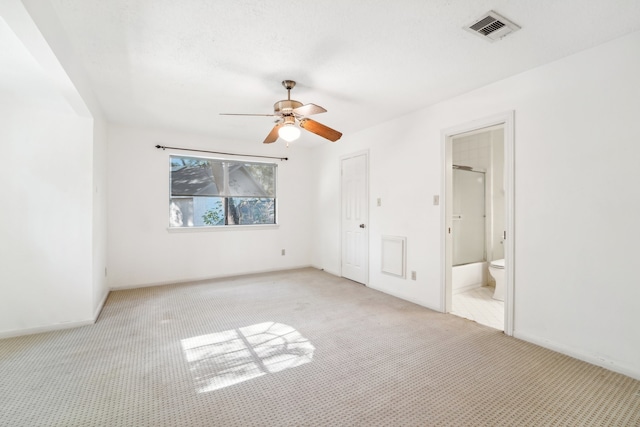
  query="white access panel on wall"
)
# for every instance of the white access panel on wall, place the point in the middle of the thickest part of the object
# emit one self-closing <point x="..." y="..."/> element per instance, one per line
<point x="394" y="255"/>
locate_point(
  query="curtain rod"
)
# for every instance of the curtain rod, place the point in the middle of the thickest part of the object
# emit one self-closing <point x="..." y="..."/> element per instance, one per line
<point x="219" y="152"/>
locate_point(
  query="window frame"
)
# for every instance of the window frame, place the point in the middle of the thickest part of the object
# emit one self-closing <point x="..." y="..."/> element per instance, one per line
<point x="225" y="198"/>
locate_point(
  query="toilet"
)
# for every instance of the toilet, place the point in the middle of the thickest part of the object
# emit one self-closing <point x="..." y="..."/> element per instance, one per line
<point x="496" y="269"/>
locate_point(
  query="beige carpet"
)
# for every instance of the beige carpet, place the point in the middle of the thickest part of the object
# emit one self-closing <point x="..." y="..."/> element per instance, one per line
<point x="296" y="348"/>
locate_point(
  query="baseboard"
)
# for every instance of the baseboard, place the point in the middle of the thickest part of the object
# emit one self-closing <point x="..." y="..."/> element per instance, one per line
<point x="594" y="360"/>
<point x="466" y="288"/>
<point x="100" y="306"/>
<point x="98" y="310"/>
<point x="333" y="273"/>
<point x="205" y="278"/>
<point x="48" y="328"/>
<point x="413" y="300"/>
<point x="57" y="326"/>
<point x="384" y="291"/>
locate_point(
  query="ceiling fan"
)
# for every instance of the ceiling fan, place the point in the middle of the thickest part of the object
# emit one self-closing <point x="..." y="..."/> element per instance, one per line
<point x="290" y="112"/>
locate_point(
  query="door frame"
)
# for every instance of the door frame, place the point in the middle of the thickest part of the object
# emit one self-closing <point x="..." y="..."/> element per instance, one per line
<point x="507" y="119"/>
<point x="364" y="153"/>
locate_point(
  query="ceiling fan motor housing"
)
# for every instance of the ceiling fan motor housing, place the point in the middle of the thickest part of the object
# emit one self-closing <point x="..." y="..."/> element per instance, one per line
<point x="286" y="106"/>
<point x="288" y="120"/>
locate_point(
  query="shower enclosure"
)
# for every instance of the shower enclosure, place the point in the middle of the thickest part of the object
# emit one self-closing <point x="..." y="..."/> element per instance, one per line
<point x="469" y="217"/>
<point x="469" y="228"/>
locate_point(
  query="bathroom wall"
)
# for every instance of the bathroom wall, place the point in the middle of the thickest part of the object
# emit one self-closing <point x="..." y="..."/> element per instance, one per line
<point x="473" y="150"/>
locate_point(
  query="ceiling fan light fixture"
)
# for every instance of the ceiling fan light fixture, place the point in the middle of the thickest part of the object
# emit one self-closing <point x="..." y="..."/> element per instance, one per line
<point x="289" y="132"/>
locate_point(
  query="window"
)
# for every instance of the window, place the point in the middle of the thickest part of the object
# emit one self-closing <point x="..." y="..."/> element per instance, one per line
<point x="212" y="192"/>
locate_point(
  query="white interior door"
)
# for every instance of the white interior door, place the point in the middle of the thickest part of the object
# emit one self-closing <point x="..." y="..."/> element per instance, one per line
<point x="355" y="218"/>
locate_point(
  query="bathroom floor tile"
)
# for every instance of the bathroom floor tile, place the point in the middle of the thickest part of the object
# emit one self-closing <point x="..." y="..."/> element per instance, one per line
<point x="478" y="305"/>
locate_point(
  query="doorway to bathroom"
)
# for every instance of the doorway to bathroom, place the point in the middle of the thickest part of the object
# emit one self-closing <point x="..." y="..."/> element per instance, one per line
<point x="478" y="218"/>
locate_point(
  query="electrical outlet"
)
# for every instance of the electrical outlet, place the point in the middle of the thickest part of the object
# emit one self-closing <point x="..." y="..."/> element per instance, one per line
<point x="283" y="252"/>
<point x="379" y="201"/>
<point x="436" y="200"/>
<point x="413" y="275"/>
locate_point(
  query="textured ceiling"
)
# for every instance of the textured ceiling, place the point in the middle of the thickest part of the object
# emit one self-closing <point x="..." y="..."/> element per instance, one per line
<point x="178" y="64"/>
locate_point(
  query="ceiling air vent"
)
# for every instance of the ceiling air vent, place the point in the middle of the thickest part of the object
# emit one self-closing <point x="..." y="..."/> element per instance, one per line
<point x="492" y="26"/>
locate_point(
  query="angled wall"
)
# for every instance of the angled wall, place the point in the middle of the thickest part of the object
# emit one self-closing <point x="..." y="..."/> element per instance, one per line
<point x="53" y="234"/>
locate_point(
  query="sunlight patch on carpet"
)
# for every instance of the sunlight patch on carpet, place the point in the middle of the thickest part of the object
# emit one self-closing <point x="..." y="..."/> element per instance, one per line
<point x="225" y="358"/>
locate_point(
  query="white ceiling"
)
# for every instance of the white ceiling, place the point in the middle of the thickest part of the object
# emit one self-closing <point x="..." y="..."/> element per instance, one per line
<point x="178" y="64"/>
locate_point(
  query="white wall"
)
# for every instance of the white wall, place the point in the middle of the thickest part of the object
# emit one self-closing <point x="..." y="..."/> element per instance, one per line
<point x="46" y="229"/>
<point x="99" y="237"/>
<point x="404" y="174"/>
<point x="53" y="197"/>
<point x="576" y="154"/>
<point x="141" y="250"/>
<point x="62" y="65"/>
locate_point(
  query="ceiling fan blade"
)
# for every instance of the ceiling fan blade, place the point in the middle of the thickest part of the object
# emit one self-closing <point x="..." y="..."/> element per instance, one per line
<point x="320" y="129"/>
<point x="240" y="114"/>
<point x="309" y="109"/>
<point x="273" y="135"/>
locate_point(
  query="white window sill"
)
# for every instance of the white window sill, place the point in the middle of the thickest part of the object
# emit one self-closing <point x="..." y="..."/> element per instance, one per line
<point x="223" y="228"/>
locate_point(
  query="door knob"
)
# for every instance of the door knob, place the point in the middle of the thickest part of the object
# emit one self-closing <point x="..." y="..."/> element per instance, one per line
<point x="362" y="226"/>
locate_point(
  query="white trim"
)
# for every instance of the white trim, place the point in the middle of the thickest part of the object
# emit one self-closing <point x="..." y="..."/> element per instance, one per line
<point x="446" y="206"/>
<point x="404" y="297"/>
<point x="245" y="227"/>
<point x="354" y="154"/>
<point x="507" y="119"/>
<point x="399" y="269"/>
<point x="333" y="273"/>
<point x="58" y="326"/>
<point x="466" y="288"/>
<point x="509" y="242"/>
<point x="572" y="352"/>
<point x="48" y="328"/>
<point x="100" y="306"/>
<point x="226" y="194"/>
<point x="206" y="278"/>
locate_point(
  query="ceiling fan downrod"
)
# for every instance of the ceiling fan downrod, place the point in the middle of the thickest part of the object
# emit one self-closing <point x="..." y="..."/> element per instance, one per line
<point x="288" y="85"/>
